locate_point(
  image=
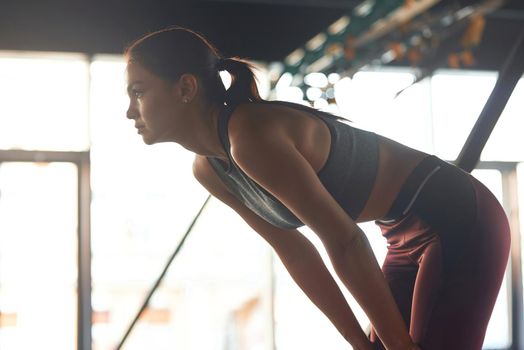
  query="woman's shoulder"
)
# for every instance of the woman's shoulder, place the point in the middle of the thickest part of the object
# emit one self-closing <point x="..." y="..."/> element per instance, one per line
<point x="201" y="167"/>
<point x="257" y="127"/>
<point x="254" y="119"/>
<point x="273" y="117"/>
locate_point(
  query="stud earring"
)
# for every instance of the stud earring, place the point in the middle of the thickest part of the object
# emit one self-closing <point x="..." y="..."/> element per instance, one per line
<point x="185" y="100"/>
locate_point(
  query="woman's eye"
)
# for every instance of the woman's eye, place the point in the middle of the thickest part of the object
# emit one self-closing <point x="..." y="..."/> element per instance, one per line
<point x="138" y="94"/>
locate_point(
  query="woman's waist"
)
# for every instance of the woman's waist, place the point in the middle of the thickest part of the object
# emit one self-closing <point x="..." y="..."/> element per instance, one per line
<point x="396" y="163"/>
<point x="412" y="186"/>
<point x="437" y="192"/>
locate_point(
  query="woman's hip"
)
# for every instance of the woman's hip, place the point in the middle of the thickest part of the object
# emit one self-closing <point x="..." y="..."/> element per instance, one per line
<point x="440" y="201"/>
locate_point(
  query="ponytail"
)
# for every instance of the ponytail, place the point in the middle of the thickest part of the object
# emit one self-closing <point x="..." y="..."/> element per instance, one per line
<point x="243" y="80"/>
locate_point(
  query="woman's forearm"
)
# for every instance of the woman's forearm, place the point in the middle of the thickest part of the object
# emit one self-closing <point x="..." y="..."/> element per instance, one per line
<point x="359" y="270"/>
<point x="310" y="273"/>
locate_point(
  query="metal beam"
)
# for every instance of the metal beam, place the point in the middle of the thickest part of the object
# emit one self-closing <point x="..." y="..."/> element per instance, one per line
<point x="334" y="4"/>
<point x="509" y="75"/>
<point x="511" y="204"/>
<point x="85" y="310"/>
<point x="43" y="156"/>
<point x="161" y="277"/>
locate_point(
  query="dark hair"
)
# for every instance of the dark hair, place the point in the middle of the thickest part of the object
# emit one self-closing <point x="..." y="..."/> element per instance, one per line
<point x="173" y="51"/>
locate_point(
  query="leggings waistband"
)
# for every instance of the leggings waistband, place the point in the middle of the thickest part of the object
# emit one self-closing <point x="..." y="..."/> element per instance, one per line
<point x="412" y="186"/>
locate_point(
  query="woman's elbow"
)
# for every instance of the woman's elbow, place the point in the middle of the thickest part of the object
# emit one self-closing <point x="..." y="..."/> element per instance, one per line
<point x="338" y="248"/>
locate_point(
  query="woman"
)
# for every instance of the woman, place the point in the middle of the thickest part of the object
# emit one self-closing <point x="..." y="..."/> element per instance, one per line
<point x="281" y="165"/>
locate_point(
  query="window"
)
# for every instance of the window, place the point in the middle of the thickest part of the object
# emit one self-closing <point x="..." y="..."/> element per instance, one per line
<point x="44" y="102"/>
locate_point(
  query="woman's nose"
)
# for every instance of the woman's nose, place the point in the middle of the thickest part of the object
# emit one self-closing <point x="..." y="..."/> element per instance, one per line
<point x="131" y="113"/>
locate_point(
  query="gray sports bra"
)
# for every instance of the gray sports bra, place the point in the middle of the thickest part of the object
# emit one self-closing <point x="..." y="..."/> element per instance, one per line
<point x="348" y="174"/>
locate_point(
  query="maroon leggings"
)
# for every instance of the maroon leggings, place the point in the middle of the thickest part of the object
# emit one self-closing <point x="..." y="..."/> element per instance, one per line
<point x="448" y="244"/>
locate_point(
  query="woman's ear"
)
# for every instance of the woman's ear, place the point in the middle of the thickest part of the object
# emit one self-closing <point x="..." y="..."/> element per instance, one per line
<point x="187" y="87"/>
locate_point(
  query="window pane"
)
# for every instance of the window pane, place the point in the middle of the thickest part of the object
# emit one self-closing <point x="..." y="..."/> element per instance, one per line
<point x="108" y="105"/>
<point x="38" y="256"/>
<point x="223" y="281"/>
<point x="299" y="324"/>
<point x="44" y="102"/>
<point x="370" y="100"/>
<point x="498" y="335"/>
<point x="458" y="99"/>
<point x="506" y="141"/>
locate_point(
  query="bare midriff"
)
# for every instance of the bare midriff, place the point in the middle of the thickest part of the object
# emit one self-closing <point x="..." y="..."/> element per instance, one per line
<point x="395" y="163"/>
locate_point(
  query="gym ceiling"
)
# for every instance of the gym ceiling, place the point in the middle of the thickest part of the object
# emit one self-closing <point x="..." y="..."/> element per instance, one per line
<point x="265" y="30"/>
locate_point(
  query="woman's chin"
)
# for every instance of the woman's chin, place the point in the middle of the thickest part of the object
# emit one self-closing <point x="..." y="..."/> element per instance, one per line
<point x="147" y="139"/>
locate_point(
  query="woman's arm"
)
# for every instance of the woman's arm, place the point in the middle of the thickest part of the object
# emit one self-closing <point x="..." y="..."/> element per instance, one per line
<point x="298" y="255"/>
<point x="269" y="157"/>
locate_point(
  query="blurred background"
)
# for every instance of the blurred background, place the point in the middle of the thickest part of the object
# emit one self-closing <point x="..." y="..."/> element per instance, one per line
<point x="90" y="216"/>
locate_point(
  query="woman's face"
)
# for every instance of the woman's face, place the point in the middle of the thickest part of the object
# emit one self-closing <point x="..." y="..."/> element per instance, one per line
<point x="153" y="104"/>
